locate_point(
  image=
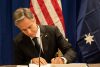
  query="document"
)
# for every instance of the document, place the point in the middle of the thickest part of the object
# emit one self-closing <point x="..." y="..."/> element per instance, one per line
<point x="35" y="65"/>
<point x="61" y="65"/>
<point x="22" y="66"/>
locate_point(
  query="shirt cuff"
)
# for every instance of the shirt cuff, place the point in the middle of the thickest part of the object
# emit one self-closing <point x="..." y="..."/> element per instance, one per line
<point x="65" y="60"/>
<point x="30" y="61"/>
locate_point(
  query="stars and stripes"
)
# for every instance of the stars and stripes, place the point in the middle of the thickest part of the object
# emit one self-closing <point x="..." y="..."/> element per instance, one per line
<point x="48" y="12"/>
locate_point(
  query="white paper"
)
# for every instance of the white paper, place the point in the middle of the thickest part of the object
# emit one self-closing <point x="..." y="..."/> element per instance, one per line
<point x="60" y="65"/>
<point x="35" y="65"/>
<point x="21" y="66"/>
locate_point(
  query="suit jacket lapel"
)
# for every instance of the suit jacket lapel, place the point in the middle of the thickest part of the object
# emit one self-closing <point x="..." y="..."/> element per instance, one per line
<point x="32" y="50"/>
<point x="44" y="37"/>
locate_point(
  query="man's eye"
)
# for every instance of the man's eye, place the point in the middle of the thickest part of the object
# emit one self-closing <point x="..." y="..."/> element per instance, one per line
<point x="29" y="27"/>
<point x="24" y="30"/>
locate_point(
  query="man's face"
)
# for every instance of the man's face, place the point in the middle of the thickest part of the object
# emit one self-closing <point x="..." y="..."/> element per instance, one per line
<point x="28" y="27"/>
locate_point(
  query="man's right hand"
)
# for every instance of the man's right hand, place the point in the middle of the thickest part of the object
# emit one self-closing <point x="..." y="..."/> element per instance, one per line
<point x="36" y="61"/>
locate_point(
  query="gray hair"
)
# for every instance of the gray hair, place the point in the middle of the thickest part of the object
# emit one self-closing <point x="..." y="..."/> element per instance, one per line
<point x="21" y="13"/>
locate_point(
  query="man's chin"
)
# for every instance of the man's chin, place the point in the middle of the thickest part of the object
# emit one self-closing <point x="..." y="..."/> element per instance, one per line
<point x="32" y="36"/>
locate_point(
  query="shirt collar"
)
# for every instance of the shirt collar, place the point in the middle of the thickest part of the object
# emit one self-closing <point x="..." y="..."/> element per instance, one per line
<point x="38" y="33"/>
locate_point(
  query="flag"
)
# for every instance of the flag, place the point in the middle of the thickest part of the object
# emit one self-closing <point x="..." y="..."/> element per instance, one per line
<point x="69" y="13"/>
<point x="7" y="28"/>
<point x="48" y="12"/>
<point x="88" y="31"/>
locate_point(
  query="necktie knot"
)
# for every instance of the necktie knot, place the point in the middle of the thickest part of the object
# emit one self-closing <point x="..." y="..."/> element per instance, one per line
<point x="34" y="39"/>
<point x="37" y="46"/>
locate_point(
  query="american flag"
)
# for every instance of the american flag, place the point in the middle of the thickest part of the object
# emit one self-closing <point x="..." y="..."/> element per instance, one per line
<point x="48" y="12"/>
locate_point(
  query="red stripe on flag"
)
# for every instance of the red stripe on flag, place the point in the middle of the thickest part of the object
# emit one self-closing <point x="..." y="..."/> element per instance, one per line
<point x="45" y="12"/>
<point x="32" y="10"/>
<point x="58" y="11"/>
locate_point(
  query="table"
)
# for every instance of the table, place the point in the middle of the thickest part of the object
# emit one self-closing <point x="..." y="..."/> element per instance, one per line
<point x="93" y="65"/>
<point x="59" y="65"/>
<point x="14" y="66"/>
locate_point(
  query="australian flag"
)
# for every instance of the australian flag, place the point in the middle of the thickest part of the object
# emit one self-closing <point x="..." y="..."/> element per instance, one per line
<point x="88" y="31"/>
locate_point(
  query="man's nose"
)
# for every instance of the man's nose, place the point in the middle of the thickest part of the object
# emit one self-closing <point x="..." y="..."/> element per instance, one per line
<point x="28" y="31"/>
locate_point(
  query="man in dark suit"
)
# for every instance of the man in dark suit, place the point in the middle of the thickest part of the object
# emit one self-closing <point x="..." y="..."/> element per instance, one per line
<point x="49" y="39"/>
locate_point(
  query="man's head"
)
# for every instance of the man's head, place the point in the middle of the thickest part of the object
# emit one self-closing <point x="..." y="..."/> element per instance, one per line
<point x="25" y="21"/>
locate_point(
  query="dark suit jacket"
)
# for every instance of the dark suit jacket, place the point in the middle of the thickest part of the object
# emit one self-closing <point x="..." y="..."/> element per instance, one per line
<point x="52" y="39"/>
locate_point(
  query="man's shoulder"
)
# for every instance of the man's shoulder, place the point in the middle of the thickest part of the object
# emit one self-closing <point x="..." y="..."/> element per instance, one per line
<point x="49" y="27"/>
<point x="19" y="37"/>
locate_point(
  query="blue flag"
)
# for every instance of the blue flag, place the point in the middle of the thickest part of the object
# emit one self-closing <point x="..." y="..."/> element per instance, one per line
<point x="7" y="28"/>
<point x="88" y="31"/>
<point x="69" y="13"/>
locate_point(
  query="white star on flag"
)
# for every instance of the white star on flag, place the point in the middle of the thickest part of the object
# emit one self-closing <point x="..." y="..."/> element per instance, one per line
<point x="88" y="38"/>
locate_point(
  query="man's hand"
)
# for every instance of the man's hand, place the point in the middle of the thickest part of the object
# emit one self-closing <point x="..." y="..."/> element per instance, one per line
<point x="36" y="61"/>
<point x="57" y="60"/>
